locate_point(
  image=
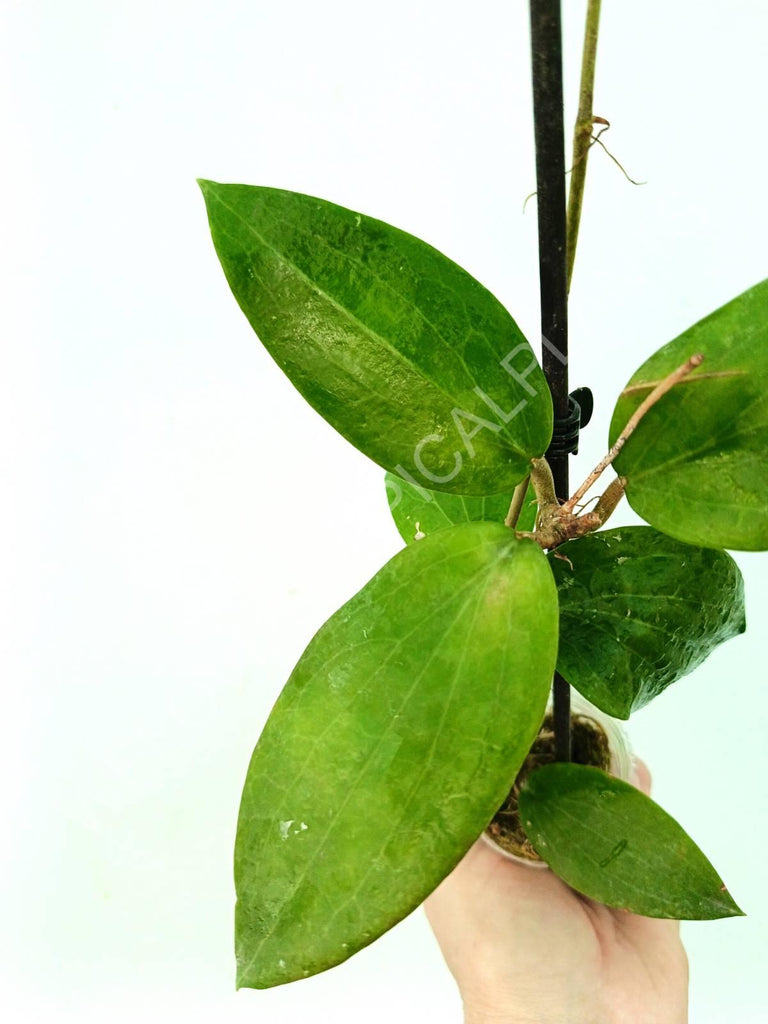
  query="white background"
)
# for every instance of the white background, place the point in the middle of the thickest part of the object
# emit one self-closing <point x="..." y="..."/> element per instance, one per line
<point x="176" y="522"/>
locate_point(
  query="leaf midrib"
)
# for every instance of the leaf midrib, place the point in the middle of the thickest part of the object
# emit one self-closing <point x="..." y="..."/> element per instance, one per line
<point x="427" y="764"/>
<point x="353" y="787"/>
<point x="501" y="435"/>
<point x="741" y="432"/>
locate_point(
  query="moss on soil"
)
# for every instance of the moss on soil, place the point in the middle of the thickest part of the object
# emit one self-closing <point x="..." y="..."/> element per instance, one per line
<point x="589" y="745"/>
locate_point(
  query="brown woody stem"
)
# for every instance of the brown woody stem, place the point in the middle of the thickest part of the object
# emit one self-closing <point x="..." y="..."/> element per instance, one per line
<point x="658" y="392"/>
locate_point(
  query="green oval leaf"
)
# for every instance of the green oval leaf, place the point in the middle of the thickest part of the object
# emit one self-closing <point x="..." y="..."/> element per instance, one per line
<point x="393" y="743"/>
<point x="697" y="464"/>
<point x="418" y="512"/>
<point x="612" y="843"/>
<point x="404" y="353"/>
<point x="639" y="610"/>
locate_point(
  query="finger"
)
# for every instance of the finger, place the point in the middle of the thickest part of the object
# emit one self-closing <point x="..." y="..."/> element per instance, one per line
<point x="640" y="776"/>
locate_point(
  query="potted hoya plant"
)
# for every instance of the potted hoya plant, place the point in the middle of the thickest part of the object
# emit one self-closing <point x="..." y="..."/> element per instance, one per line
<point x="423" y="713"/>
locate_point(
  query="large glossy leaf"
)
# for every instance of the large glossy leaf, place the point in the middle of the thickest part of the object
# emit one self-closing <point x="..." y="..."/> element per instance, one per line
<point x="612" y="843"/>
<point x="418" y="512"/>
<point x="394" y="741"/>
<point x="638" y="610"/>
<point x="401" y="350"/>
<point x="697" y="465"/>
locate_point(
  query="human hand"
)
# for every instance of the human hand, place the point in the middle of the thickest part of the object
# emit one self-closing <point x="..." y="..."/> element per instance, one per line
<point x="525" y="947"/>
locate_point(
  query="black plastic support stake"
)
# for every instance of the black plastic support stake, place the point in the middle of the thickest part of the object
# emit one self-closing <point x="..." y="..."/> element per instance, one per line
<point x="565" y="434"/>
<point x="547" y="70"/>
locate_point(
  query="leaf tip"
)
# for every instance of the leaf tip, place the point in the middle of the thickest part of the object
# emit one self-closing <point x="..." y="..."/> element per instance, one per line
<point x="622" y="712"/>
<point x="728" y="905"/>
<point x="207" y="187"/>
<point x="719" y="905"/>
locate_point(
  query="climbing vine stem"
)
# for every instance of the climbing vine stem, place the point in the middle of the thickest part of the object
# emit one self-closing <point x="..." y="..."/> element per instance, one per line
<point x="661" y="388"/>
<point x="582" y="135"/>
